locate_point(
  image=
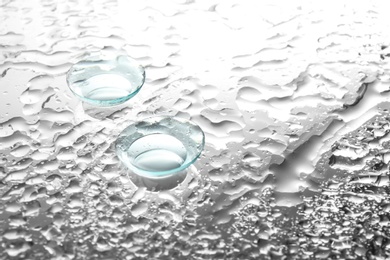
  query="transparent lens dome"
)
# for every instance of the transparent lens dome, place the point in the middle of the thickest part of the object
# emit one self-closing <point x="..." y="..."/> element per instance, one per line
<point x="106" y="78"/>
<point x="159" y="147"/>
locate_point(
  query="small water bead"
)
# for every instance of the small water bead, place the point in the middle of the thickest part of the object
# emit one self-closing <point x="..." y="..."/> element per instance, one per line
<point x="160" y="147"/>
<point x="106" y="78"/>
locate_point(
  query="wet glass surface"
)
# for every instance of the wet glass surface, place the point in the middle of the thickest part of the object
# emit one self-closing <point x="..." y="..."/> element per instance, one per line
<point x="293" y="98"/>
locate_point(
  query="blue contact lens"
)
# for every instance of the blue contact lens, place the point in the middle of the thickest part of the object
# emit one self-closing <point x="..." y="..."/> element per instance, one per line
<point x="159" y="147"/>
<point x="106" y="79"/>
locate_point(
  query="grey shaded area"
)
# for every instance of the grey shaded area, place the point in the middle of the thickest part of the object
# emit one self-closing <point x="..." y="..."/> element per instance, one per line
<point x="293" y="98"/>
